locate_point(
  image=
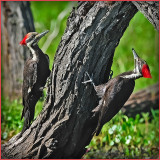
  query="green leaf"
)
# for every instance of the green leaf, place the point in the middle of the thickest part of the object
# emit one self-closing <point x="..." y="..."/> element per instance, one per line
<point x="4" y="135"/>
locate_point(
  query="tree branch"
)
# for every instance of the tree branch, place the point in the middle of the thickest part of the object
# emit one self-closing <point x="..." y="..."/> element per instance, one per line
<point x="15" y="25"/>
<point x="150" y="9"/>
<point x="65" y="125"/>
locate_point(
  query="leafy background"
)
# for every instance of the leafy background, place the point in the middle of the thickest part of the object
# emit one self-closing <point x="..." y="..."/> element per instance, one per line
<point x="122" y="137"/>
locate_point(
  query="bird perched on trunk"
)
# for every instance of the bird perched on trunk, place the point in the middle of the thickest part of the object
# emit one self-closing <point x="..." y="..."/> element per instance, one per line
<point x="35" y="74"/>
<point x="116" y="91"/>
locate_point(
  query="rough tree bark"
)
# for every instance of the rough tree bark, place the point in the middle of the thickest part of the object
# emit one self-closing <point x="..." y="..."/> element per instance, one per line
<point x="150" y="10"/>
<point x="66" y="124"/>
<point x="15" y="24"/>
<point x="142" y="101"/>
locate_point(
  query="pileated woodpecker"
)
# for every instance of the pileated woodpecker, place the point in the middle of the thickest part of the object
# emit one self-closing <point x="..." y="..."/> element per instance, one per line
<point x="36" y="71"/>
<point x="116" y="91"/>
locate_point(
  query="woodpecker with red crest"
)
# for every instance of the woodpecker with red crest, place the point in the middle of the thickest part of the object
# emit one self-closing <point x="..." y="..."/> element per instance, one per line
<point x="116" y="91"/>
<point x="35" y="74"/>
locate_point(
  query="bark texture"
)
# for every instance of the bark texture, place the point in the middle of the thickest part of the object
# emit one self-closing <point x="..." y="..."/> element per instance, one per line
<point x="65" y="125"/>
<point x="142" y="101"/>
<point x="17" y="21"/>
<point x="150" y="9"/>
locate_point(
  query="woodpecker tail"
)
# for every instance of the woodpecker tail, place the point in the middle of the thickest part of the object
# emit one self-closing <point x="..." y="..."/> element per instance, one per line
<point x="28" y="114"/>
<point x="27" y="122"/>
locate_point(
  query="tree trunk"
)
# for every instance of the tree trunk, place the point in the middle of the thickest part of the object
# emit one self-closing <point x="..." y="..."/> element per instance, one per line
<point x="142" y="101"/>
<point x="66" y="124"/>
<point x="16" y="22"/>
<point x="150" y="10"/>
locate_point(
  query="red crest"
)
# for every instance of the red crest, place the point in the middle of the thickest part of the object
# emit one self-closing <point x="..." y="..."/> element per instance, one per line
<point x="145" y="71"/>
<point x="23" y="42"/>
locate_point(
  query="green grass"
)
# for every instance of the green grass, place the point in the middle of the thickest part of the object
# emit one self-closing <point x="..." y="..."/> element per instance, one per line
<point x="127" y="137"/>
<point x="123" y="137"/>
<point x="11" y="115"/>
<point x="10" y="118"/>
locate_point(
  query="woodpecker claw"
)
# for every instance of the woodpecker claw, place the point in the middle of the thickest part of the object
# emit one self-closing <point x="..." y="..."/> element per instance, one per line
<point x="90" y="79"/>
<point x="49" y="82"/>
<point x="87" y="81"/>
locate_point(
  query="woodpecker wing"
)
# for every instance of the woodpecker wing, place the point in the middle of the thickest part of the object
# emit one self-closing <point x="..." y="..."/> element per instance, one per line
<point x="117" y="93"/>
<point x="30" y="78"/>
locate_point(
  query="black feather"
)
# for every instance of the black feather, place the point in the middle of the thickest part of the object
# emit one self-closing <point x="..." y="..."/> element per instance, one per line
<point x="36" y="72"/>
<point x="117" y="92"/>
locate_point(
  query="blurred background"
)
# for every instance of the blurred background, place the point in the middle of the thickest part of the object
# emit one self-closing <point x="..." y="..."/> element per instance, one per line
<point x="123" y="136"/>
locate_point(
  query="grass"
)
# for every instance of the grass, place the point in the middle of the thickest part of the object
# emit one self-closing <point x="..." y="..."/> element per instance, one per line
<point x="11" y="123"/>
<point x="10" y="118"/>
<point x="122" y="137"/>
<point x="125" y="137"/>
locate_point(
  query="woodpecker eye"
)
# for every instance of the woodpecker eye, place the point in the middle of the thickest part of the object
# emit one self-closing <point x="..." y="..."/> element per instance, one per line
<point x="30" y="38"/>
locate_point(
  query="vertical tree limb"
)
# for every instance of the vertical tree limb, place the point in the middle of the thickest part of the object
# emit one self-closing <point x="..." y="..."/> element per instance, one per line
<point x="150" y="9"/>
<point x="66" y="124"/>
<point x="17" y="21"/>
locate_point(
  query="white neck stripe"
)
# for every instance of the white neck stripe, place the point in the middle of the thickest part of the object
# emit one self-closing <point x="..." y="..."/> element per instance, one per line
<point x="32" y="51"/>
<point x="132" y="76"/>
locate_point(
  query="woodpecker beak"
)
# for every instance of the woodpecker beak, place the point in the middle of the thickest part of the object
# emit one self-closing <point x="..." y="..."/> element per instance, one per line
<point x="39" y="36"/>
<point x="135" y="54"/>
<point x="136" y="58"/>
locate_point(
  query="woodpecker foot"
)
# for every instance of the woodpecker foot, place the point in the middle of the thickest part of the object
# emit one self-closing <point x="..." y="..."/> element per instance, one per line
<point x="90" y="79"/>
<point x="87" y="81"/>
<point x="49" y="80"/>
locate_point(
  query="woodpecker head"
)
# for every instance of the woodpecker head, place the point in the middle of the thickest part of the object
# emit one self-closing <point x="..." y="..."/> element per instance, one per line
<point x="141" y="67"/>
<point x="32" y="38"/>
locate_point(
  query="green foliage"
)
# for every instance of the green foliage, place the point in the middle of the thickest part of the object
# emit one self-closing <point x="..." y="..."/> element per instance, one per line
<point x="122" y="137"/>
<point x="11" y="123"/>
<point x="10" y="118"/>
<point x="47" y="19"/>
<point x="141" y="36"/>
<point x="127" y="137"/>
